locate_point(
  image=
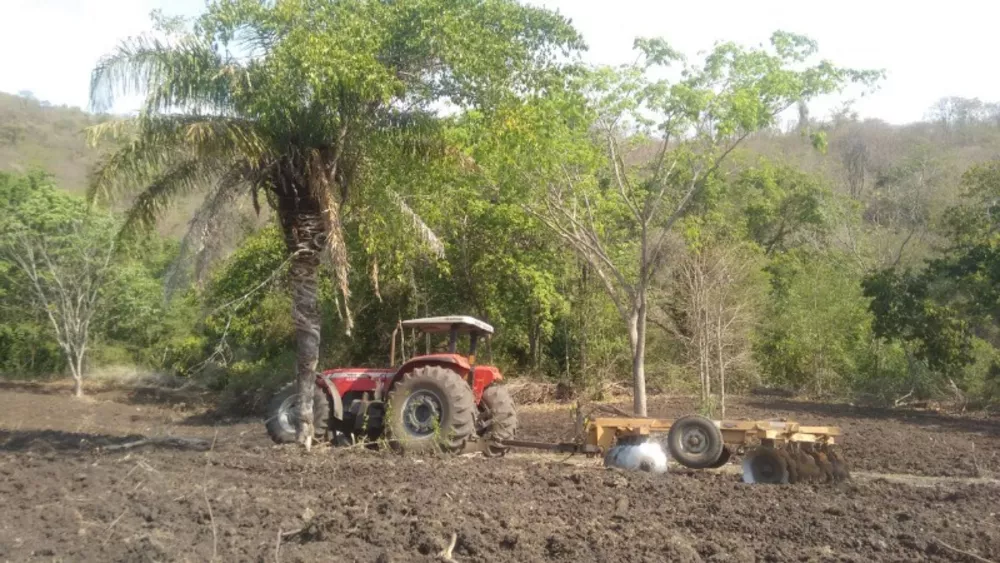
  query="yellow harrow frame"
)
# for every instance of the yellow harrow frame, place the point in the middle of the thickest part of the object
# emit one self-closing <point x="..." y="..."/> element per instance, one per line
<point x="606" y="431"/>
<point x="777" y="451"/>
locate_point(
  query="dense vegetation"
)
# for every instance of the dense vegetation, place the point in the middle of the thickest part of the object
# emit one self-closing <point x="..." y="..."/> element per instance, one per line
<point x="834" y="257"/>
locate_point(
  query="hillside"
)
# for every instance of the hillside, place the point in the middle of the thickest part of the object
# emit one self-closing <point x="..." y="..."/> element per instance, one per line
<point x="36" y="134"/>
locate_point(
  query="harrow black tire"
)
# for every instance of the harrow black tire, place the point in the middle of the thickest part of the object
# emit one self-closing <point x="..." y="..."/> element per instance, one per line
<point x="431" y="408"/>
<point x="497" y="407"/>
<point x="723" y="458"/>
<point x="282" y="414"/>
<point x="695" y="442"/>
<point x="765" y="465"/>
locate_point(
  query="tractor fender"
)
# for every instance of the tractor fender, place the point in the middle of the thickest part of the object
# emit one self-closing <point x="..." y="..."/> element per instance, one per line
<point x="336" y="404"/>
<point x="452" y="361"/>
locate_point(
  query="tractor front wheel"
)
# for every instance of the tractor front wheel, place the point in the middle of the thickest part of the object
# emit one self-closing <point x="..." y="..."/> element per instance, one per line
<point x="283" y="414"/>
<point x="431" y="408"/>
<point x="498" y="419"/>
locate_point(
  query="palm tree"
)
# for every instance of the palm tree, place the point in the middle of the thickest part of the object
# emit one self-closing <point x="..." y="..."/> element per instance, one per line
<point x="299" y="101"/>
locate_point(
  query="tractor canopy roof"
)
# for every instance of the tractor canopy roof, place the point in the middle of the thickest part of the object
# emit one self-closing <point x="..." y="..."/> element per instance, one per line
<point x="462" y="324"/>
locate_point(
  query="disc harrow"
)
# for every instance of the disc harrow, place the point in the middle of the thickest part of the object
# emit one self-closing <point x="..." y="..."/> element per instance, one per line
<point x="773" y="451"/>
<point x="794" y="462"/>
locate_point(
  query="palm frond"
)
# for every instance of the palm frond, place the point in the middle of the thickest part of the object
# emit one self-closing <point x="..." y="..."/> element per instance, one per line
<point x="177" y="181"/>
<point x="416" y="133"/>
<point x="154" y="143"/>
<point x="131" y="165"/>
<point x="423" y="230"/>
<point x="336" y="247"/>
<point x="209" y="229"/>
<point x="187" y="74"/>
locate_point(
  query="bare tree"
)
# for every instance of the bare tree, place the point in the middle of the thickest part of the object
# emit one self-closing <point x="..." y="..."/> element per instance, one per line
<point x="709" y="306"/>
<point x="65" y="279"/>
<point x="650" y="214"/>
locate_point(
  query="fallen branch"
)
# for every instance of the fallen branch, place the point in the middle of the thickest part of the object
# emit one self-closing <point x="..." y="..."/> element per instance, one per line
<point x="446" y="552"/>
<point x="192" y="443"/>
<point x="112" y="526"/>
<point x="607" y="409"/>
<point x="901" y="401"/>
<point x="972" y="556"/>
<point x="975" y="462"/>
<point x="293" y="533"/>
<point x="211" y="517"/>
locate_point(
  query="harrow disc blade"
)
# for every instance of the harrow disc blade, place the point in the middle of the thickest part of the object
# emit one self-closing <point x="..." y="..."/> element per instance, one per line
<point x="644" y="456"/>
<point x="765" y="465"/>
<point x="841" y="471"/>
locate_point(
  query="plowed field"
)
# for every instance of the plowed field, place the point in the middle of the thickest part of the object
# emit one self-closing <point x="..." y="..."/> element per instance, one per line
<point x="923" y="490"/>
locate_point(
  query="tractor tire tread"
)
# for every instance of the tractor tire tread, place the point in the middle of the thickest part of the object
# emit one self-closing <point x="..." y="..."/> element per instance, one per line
<point x="503" y="424"/>
<point x="321" y="414"/>
<point x="461" y="409"/>
<point x="695" y="461"/>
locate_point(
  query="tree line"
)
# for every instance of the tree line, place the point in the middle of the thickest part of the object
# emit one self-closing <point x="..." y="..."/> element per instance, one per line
<point x="614" y="225"/>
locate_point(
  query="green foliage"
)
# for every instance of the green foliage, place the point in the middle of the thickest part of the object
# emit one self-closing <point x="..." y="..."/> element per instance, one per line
<point x="950" y="310"/>
<point x="904" y="309"/>
<point x="974" y="220"/>
<point x="137" y="319"/>
<point x="56" y="255"/>
<point x="27" y="348"/>
<point x="458" y="211"/>
<point x="816" y="332"/>
<point x="782" y="207"/>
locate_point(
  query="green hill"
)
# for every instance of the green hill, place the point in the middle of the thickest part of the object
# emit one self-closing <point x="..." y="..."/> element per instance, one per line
<point x="34" y="134"/>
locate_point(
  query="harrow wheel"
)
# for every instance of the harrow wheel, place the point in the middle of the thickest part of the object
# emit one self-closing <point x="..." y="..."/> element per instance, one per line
<point x="498" y="418"/>
<point x="695" y="442"/>
<point x="431" y="408"/>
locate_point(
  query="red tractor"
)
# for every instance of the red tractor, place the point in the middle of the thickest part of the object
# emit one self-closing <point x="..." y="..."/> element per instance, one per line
<point x="434" y="401"/>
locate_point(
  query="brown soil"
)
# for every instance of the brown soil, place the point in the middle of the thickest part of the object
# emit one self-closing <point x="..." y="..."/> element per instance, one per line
<point x="246" y="500"/>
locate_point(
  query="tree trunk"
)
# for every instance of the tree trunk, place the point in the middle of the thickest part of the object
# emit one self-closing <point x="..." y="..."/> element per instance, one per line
<point x="702" y="368"/>
<point x="583" y="322"/>
<point x="722" y="366"/>
<point x="76" y="367"/>
<point x="533" y="334"/>
<point x="304" y="230"/>
<point x="74" y="357"/>
<point x="707" y="351"/>
<point x="637" y="339"/>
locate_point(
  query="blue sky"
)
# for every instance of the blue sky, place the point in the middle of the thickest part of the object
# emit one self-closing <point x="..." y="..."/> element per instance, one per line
<point x="930" y="50"/>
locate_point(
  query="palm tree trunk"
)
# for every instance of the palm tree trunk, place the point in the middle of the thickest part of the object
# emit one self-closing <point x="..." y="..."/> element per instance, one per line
<point x="304" y="230"/>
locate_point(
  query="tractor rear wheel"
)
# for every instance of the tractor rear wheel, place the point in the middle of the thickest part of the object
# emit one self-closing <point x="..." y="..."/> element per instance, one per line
<point x="431" y="408"/>
<point x="283" y="414"/>
<point x="498" y="418"/>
